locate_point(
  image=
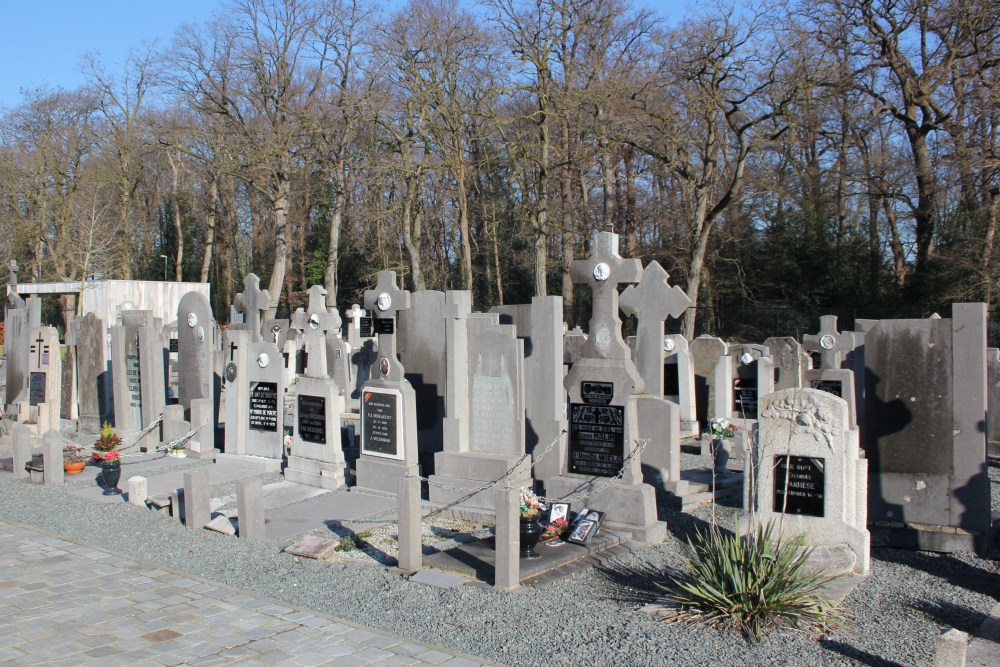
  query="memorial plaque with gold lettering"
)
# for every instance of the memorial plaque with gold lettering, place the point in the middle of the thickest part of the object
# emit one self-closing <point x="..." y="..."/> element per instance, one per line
<point x="264" y="406"/>
<point x="596" y="439"/>
<point x="380" y="427"/>
<point x="804" y="478"/>
<point x="312" y="419"/>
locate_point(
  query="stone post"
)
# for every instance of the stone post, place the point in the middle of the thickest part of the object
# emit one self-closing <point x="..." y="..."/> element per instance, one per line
<point x="53" y="459"/>
<point x="250" y="508"/>
<point x="508" y="540"/>
<point x="138" y="490"/>
<point x="197" y="500"/>
<point x="408" y="513"/>
<point x="21" y="437"/>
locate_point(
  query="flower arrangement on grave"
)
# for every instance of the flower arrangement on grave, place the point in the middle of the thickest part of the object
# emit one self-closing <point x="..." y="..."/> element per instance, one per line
<point x="554" y="530"/>
<point x="531" y="505"/>
<point x="720" y="427"/>
<point x="73" y="453"/>
<point x="106" y="444"/>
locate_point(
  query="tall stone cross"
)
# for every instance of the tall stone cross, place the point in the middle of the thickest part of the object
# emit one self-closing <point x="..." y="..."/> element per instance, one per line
<point x="354" y="328"/>
<point x="318" y="324"/>
<point x="251" y="301"/>
<point x="384" y="302"/>
<point x="604" y="270"/>
<point x="652" y="301"/>
<point x="829" y="342"/>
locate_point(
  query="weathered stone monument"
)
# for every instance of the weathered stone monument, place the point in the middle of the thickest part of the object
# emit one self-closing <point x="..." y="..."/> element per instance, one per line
<point x="196" y="345"/>
<point x="421" y="346"/>
<point x="678" y="382"/>
<point x="602" y="465"/>
<point x="924" y="431"/>
<point x="830" y="376"/>
<point x="388" y="402"/>
<point x="789" y="361"/>
<point x="705" y="354"/>
<point x="811" y="477"/>
<point x="742" y="378"/>
<point x="44" y="380"/>
<point x="92" y="372"/>
<point x="316" y="456"/>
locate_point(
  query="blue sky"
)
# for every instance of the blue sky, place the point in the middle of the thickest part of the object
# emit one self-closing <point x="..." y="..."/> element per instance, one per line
<point x="43" y="40"/>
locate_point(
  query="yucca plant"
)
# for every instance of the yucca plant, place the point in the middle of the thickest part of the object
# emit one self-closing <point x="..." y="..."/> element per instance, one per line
<point x="753" y="584"/>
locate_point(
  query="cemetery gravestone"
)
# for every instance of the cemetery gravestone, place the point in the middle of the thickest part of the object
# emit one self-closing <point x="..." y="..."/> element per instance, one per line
<point x="45" y="378"/>
<point x="742" y="378"/>
<point x="265" y="401"/>
<point x="388" y="402"/>
<point x="789" y="362"/>
<point x="830" y="376"/>
<point x="678" y="382"/>
<point x="196" y="344"/>
<point x="813" y="480"/>
<point x="705" y="354"/>
<point x="924" y="431"/>
<point x="16" y="345"/>
<point x="153" y="359"/>
<point x="92" y="364"/>
<point x="602" y="463"/>
<point x="250" y="302"/>
<point x="236" y="345"/>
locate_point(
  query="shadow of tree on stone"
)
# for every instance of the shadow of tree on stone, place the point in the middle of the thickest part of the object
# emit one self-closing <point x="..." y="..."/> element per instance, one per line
<point x="636" y="584"/>
<point x="855" y="653"/>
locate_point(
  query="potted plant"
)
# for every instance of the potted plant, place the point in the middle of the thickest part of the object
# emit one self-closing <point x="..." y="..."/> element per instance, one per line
<point x="721" y="429"/>
<point x="107" y="456"/>
<point x="176" y="449"/>
<point x="531" y="510"/>
<point x="74" y="459"/>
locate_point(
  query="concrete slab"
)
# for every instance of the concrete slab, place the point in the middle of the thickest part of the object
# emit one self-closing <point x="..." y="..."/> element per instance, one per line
<point x="284" y="493"/>
<point x="477" y="559"/>
<point x="330" y="509"/>
<point x="438" y="579"/>
<point x="220" y="472"/>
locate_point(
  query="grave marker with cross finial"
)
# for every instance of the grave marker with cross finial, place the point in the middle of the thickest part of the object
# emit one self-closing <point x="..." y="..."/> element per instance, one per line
<point x="45" y="377"/>
<point x="603" y="271"/>
<point x="251" y="301"/>
<point x="652" y="301"/>
<point x="385" y="301"/>
<point x="318" y="323"/>
<point x="354" y="316"/>
<point x="830" y="343"/>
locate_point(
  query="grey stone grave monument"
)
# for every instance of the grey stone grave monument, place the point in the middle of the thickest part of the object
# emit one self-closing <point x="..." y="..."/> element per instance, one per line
<point x="92" y="372"/>
<point x="678" y="382"/>
<point x="44" y="381"/>
<point x="602" y="464"/>
<point x="235" y="350"/>
<point x="540" y="326"/>
<point x="812" y="478"/>
<point x="705" y="354"/>
<point x="249" y="303"/>
<point x="924" y="431"/>
<point x="388" y="402"/>
<point x="421" y="340"/>
<point x="316" y="457"/>
<point x="742" y="378"/>
<point x="153" y="360"/>
<point x="652" y="301"/>
<point x="789" y="361"/>
<point x="126" y="373"/>
<point x="485" y="403"/>
<point x="830" y="376"/>
<point x="197" y="338"/>
<point x="265" y="394"/>
<point x="17" y="327"/>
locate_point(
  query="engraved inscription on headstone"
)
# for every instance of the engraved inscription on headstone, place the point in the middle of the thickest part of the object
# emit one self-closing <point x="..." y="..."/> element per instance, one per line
<point x="493" y="414"/>
<point x="745" y="398"/>
<point x="36" y="388"/>
<point x="264" y="406"/>
<point x="312" y="419"/>
<point x="597" y="393"/>
<point x="132" y="378"/>
<point x="597" y="439"/>
<point x="385" y="325"/>
<point x="365" y="327"/>
<point x="174" y="345"/>
<point x="805" y="482"/>
<point x="835" y="387"/>
<point x="379" y="424"/>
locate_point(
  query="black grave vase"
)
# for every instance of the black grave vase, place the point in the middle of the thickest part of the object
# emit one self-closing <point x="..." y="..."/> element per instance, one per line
<point x="720" y="448"/>
<point x="531" y="530"/>
<point x="111" y="472"/>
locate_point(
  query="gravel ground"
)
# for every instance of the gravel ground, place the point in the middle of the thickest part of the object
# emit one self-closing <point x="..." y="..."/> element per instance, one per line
<point x="588" y="619"/>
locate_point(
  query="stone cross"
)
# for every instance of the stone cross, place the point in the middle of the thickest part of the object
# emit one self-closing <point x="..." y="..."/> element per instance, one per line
<point x="251" y="301"/>
<point x="829" y="343"/>
<point x="317" y="324"/>
<point x="652" y="301"/>
<point x="356" y="313"/>
<point x="385" y="301"/>
<point x="603" y="271"/>
<point x="354" y="316"/>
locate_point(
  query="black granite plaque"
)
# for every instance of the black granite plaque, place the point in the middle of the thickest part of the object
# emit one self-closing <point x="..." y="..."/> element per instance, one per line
<point x="385" y="325"/>
<point x="312" y="419"/>
<point x="174" y="345"/>
<point x="36" y="388"/>
<point x="378" y="422"/>
<point x="835" y="387"/>
<point x="745" y="398"/>
<point x="671" y="380"/>
<point x="264" y="406"/>
<point x="365" y="327"/>
<point x="597" y="393"/>
<point x="804" y="476"/>
<point x="596" y="439"/>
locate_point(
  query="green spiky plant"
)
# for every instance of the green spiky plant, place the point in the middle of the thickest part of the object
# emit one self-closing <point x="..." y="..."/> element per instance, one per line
<point x="753" y="584"/>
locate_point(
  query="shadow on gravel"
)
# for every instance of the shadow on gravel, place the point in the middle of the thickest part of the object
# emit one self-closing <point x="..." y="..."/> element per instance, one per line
<point x="635" y="585"/>
<point x="682" y="525"/>
<point x="947" y="567"/>
<point x="854" y="653"/>
<point x="952" y="615"/>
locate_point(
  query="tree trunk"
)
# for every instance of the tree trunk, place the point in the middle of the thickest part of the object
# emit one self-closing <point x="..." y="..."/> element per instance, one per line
<point x="280" y="208"/>
<point x="923" y="214"/>
<point x="178" y="228"/>
<point x="463" y="223"/>
<point x="210" y="221"/>
<point x="336" y="218"/>
<point x="703" y="230"/>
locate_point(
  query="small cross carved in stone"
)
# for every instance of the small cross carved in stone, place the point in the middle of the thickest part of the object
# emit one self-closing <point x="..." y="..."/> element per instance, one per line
<point x="829" y="342"/>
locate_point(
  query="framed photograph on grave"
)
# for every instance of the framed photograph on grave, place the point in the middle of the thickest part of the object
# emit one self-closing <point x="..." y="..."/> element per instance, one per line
<point x="558" y="511"/>
<point x="594" y="515"/>
<point x="381" y="426"/>
<point x="584" y="532"/>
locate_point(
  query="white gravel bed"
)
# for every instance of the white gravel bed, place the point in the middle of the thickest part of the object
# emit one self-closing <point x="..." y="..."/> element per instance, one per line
<point x="588" y="619"/>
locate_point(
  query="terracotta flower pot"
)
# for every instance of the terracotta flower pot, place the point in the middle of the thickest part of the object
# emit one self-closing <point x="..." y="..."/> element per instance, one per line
<point x="74" y="467"/>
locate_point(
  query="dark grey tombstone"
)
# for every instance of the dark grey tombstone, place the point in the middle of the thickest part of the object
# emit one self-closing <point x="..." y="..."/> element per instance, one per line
<point x="92" y="369"/>
<point x="196" y="336"/>
<point x="422" y="345"/>
<point x="924" y="431"/>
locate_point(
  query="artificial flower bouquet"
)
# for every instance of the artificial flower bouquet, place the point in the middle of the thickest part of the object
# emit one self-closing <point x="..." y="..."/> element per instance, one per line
<point x="721" y="427"/>
<point x="531" y="505"/>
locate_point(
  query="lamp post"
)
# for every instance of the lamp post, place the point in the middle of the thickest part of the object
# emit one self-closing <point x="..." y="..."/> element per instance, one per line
<point x="164" y="267"/>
